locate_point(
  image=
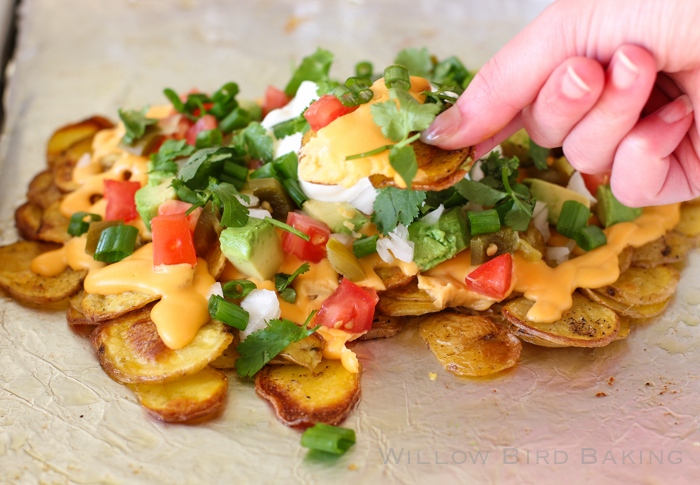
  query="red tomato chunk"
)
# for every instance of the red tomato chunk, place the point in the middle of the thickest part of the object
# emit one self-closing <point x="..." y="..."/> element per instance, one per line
<point x="349" y="308"/>
<point x="206" y="122"/>
<point x="313" y="250"/>
<point x="325" y="110"/>
<point x="274" y="99"/>
<point x="120" y="200"/>
<point x="492" y="278"/>
<point x="176" y="207"/>
<point x="172" y="240"/>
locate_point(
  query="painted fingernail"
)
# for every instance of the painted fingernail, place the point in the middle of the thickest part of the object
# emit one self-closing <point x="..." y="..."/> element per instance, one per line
<point x="676" y="110"/>
<point x="624" y="72"/>
<point x="573" y="86"/>
<point x="443" y="127"/>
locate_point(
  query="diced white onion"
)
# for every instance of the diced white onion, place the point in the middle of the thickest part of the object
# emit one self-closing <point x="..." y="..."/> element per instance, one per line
<point x="576" y="184"/>
<point x="472" y="207"/>
<point x="262" y="306"/>
<point x="345" y="239"/>
<point x="433" y="217"/>
<point x="84" y="160"/>
<point x="169" y="124"/>
<point x="253" y="200"/>
<point x="475" y="173"/>
<point x="401" y="247"/>
<point x="539" y="219"/>
<point x="215" y="289"/>
<point x="571" y="245"/>
<point x="558" y="254"/>
<point x="383" y="246"/>
<point x="259" y="213"/>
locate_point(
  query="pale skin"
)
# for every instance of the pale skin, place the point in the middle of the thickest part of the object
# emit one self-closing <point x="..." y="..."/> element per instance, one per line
<point x="614" y="82"/>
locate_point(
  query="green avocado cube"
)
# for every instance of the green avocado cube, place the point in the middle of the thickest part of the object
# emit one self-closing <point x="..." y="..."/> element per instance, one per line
<point x="149" y="197"/>
<point x="435" y="243"/>
<point x="254" y="249"/>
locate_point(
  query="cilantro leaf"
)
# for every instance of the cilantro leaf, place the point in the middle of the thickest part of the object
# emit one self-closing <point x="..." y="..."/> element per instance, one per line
<point x="168" y="152"/>
<point x="396" y="124"/>
<point x="184" y="193"/>
<point x="202" y="164"/>
<point x="520" y="213"/>
<point x="225" y="195"/>
<point x="255" y="141"/>
<point x="289" y="127"/>
<point x="539" y="155"/>
<point x="262" y="346"/>
<point x="312" y="68"/>
<point x="417" y="61"/>
<point x="403" y="160"/>
<point x="493" y="167"/>
<point x="282" y="282"/>
<point x="135" y="123"/>
<point x="450" y="71"/>
<point x="393" y="206"/>
<point x="479" y="193"/>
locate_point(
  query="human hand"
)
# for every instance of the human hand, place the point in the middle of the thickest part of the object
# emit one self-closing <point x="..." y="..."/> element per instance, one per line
<point x="583" y="75"/>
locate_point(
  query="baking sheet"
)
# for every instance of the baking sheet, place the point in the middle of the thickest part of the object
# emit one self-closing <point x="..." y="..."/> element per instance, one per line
<point x="62" y="420"/>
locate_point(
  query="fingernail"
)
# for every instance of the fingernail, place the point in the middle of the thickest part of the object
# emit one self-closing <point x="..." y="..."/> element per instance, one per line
<point x="573" y="86"/>
<point x="443" y="127"/>
<point x="676" y="110"/>
<point x="625" y="72"/>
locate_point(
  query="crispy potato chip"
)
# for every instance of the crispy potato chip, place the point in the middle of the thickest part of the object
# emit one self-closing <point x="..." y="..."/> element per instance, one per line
<point x="531" y="339"/>
<point x="100" y="308"/>
<point x="28" y="220"/>
<point x="634" y="311"/>
<point x="74" y="317"/>
<point x="690" y="219"/>
<point x="303" y="397"/>
<point x="670" y="248"/>
<point x="18" y="280"/>
<point x="407" y="300"/>
<point x="393" y="277"/>
<point x="469" y="345"/>
<point x="67" y="136"/>
<point x="307" y="352"/>
<point x="54" y="225"/>
<point x="624" y="328"/>
<point x="227" y="360"/>
<point x="131" y="351"/>
<point x="643" y="286"/>
<point x="192" y="397"/>
<point x="384" y="326"/>
<point x="64" y="165"/>
<point x="585" y="324"/>
<point x="216" y="261"/>
<point x="624" y="259"/>
<point x="42" y="191"/>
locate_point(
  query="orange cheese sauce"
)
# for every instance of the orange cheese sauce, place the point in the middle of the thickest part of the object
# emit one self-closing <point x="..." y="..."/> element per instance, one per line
<point x="323" y="159"/>
<point x="183" y="307"/>
<point x="551" y="288"/>
<point x="72" y="254"/>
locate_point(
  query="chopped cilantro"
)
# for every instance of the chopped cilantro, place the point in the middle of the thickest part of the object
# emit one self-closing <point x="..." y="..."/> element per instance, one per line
<point x="255" y="141"/>
<point x="397" y="124"/>
<point x="203" y="164"/>
<point x="403" y="160"/>
<point x="225" y="195"/>
<point x="393" y="206"/>
<point x="312" y="68"/>
<point x="262" y="346"/>
<point x="479" y="193"/>
<point x="539" y="155"/>
<point x="417" y="61"/>
<point x="135" y="123"/>
<point x="492" y="168"/>
<point x="289" y="127"/>
<point x="450" y="72"/>
<point x="164" y="160"/>
<point x="282" y="282"/>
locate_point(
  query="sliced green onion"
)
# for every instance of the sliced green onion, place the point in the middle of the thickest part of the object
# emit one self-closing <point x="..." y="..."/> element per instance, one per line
<point x="95" y="232"/>
<point x="265" y="172"/>
<point x="376" y="151"/>
<point x="365" y="246"/>
<point x="287" y="165"/>
<point x="235" y="170"/>
<point x="235" y="181"/>
<point x="574" y="216"/>
<point x="288" y="228"/>
<point x="484" y="222"/>
<point x="78" y="226"/>
<point x="116" y="243"/>
<point x="590" y="237"/>
<point x="294" y="190"/>
<point x="364" y="69"/>
<point x="209" y="138"/>
<point x="362" y="80"/>
<point x="361" y="90"/>
<point x="231" y="288"/>
<point x="396" y="76"/>
<point x="228" y="313"/>
<point x="174" y="99"/>
<point x="238" y="118"/>
<point x="345" y="96"/>
<point x="331" y="439"/>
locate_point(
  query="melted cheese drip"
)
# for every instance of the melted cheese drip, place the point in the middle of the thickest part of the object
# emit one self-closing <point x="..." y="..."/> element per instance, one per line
<point x="183" y="307"/>
<point x="373" y="262"/>
<point x="335" y="348"/>
<point x="551" y="288"/>
<point x="323" y="159"/>
<point x="53" y="263"/>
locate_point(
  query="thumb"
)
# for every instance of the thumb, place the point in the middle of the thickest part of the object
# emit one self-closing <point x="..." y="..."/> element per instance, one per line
<point x="509" y="82"/>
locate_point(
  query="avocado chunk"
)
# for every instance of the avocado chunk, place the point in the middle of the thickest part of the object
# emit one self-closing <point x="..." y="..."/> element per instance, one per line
<point x="254" y="249"/>
<point x="339" y="216"/>
<point x="610" y="210"/>
<point x="149" y="197"/>
<point x="435" y="243"/>
<point x="554" y="196"/>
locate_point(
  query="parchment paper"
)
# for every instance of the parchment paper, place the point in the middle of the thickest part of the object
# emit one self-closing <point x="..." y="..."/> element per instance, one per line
<point x="64" y="421"/>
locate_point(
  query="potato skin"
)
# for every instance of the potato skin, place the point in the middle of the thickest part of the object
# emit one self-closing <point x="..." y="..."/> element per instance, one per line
<point x="406" y="300"/>
<point x="669" y="248"/>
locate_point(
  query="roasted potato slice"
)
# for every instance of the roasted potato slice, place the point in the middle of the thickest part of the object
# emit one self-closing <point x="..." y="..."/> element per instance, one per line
<point x="303" y="398"/>
<point x="216" y="261"/>
<point x="585" y="324"/>
<point x="28" y="220"/>
<point x="42" y="191"/>
<point x="407" y="300"/>
<point x="690" y="219"/>
<point x="307" y="352"/>
<point x="624" y="259"/>
<point x="100" y="308"/>
<point x="54" y="225"/>
<point x="670" y="248"/>
<point x="192" y="397"/>
<point x="74" y="317"/>
<point x="17" y="278"/>
<point x="643" y="286"/>
<point x="393" y="277"/>
<point x="384" y="326"/>
<point x="633" y="311"/>
<point x="624" y="328"/>
<point x="531" y="339"/>
<point x="469" y="345"/>
<point x="227" y="360"/>
<point x="131" y="351"/>
<point x="67" y="136"/>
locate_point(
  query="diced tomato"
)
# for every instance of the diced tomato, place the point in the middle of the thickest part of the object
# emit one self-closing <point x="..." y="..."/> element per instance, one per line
<point x="492" y="278"/>
<point x="325" y="110"/>
<point x="349" y="308"/>
<point x="120" y="200"/>
<point x="206" y="122"/>
<point x="313" y="250"/>
<point x="593" y="180"/>
<point x="274" y="99"/>
<point x="172" y="206"/>
<point x="172" y="240"/>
